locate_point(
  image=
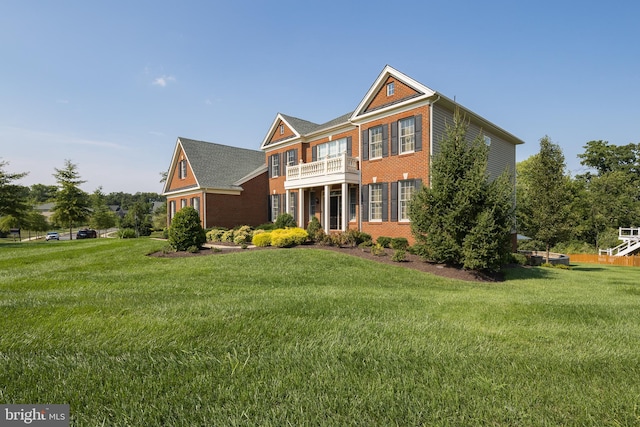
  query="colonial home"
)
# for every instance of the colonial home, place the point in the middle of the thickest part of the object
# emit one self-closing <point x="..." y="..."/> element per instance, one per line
<point x="360" y="169"/>
<point x="226" y="185"/>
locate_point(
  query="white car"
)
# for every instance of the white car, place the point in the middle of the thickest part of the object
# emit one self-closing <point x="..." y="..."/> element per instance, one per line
<point x="52" y="235"/>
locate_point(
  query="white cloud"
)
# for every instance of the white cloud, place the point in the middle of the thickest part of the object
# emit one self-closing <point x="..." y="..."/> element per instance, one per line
<point x="163" y="81"/>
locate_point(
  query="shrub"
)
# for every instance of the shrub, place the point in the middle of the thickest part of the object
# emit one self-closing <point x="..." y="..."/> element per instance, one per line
<point x="215" y="234"/>
<point x="519" y="259"/>
<point x="383" y="241"/>
<point x="127" y="233"/>
<point x="285" y="238"/>
<point x="185" y="229"/>
<point x="314" y="230"/>
<point x="400" y="255"/>
<point x="227" y="236"/>
<point x="193" y="249"/>
<point x="285" y="220"/>
<point x="354" y="237"/>
<point x="262" y="239"/>
<point x="242" y="235"/>
<point x="365" y="244"/>
<point x="399" y="243"/>
<point x="378" y="250"/>
<point x="268" y="226"/>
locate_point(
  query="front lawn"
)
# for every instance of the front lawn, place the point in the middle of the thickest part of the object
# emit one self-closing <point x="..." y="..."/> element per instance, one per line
<point x="311" y="337"/>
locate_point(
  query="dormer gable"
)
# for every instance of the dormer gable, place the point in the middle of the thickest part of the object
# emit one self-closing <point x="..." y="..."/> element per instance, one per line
<point x="391" y="88"/>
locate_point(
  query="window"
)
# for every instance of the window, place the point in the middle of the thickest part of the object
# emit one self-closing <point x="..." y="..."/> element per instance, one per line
<point x="353" y="202"/>
<point x="375" y="202"/>
<point x="172" y="209"/>
<point x="407" y="134"/>
<point x="312" y="204"/>
<point x="275" y="165"/>
<point x="183" y="169"/>
<point x="183" y="203"/>
<point x="487" y="140"/>
<point x="293" y="208"/>
<point x="275" y="206"/>
<point x="391" y="88"/>
<point x="195" y="203"/>
<point x="281" y="129"/>
<point x="332" y="148"/>
<point x="375" y="142"/>
<point x="291" y="157"/>
<point x="406" y="190"/>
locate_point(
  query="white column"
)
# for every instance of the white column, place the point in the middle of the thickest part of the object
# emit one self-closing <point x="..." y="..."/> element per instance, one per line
<point x="345" y="205"/>
<point x="326" y="208"/>
<point x="301" y="208"/>
<point x="286" y="202"/>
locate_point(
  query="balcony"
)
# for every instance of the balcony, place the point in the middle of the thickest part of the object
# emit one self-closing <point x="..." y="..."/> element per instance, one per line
<point x="332" y="170"/>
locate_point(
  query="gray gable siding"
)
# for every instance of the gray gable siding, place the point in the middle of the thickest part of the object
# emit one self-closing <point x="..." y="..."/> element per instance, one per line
<point x="502" y="154"/>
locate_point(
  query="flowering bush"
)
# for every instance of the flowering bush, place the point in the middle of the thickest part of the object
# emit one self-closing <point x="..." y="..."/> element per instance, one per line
<point x="287" y="237"/>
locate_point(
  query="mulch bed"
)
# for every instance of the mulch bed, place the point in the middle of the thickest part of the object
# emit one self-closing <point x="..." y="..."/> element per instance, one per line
<point x="412" y="261"/>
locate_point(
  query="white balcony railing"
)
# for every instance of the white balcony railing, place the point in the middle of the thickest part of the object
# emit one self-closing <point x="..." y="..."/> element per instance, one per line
<point x="335" y="165"/>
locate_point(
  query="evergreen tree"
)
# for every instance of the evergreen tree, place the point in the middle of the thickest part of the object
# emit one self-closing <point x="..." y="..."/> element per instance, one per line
<point x="462" y="218"/>
<point x="101" y="218"/>
<point x="13" y="198"/>
<point x="548" y="189"/>
<point x="71" y="203"/>
<point x="185" y="230"/>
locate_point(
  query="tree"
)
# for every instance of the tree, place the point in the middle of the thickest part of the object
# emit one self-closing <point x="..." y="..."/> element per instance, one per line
<point x="605" y="157"/>
<point x="138" y="219"/>
<point x="185" y="230"/>
<point x="462" y="218"/>
<point x="71" y="203"/>
<point x="101" y="218"/>
<point x="13" y="198"/>
<point x="40" y="193"/>
<point x="547" y="188"/>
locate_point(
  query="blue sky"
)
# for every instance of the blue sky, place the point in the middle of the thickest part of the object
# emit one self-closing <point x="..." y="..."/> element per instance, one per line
<point x="111" y="85"/>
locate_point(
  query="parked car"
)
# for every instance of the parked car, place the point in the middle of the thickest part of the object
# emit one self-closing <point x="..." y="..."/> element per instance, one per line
<point x="52" y="235"/>
<point x="86" y="234"/>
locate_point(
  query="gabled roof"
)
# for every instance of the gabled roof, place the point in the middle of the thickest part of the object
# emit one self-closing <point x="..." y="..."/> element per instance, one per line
<point x="301" y="128"/>
<point x="420" y="91"/>
<point x="217" y="166"/>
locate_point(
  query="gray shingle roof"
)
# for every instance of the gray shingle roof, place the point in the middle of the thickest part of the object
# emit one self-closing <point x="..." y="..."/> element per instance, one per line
<point x="220" y="166"/>
<point x="304" y="127"/>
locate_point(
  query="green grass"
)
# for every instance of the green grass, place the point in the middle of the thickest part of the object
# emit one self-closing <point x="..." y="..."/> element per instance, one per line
<point x="311" y="337"/>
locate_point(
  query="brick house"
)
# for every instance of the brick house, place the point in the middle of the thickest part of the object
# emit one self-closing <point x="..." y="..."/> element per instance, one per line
<point x="226" y="185"/>
<point x="360" y="169"/>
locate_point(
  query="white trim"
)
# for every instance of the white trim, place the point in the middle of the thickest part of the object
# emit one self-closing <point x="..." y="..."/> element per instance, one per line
<point x="173" y="164"/>
<point x="254" y="174"/>
<point x="377" y="86"/>
<point x="273" y="128"/>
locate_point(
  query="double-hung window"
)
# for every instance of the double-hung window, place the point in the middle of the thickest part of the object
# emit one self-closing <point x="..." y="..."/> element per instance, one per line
<point x="407" y="128"/>
<point x="405" y="191"/>
<point x="183" y="169"/>
<point x="291" y="157"/>
<point x="353" y="203"/>
<point x="375" y="142"/>
<point x="375" y="202"/>
<point x="275" y="206"/>
<point x="195" y="203"/>
<point x="275" y="166"/>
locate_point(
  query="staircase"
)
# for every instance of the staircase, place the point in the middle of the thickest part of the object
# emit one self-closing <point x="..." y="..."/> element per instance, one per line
<point x="630" y="243"/>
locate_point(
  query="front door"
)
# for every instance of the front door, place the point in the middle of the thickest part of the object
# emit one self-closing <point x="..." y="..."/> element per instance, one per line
<point x="335" y="210"/>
